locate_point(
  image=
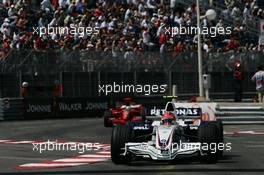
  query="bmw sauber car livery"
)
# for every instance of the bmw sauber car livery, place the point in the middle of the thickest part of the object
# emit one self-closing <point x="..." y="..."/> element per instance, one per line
<point x="181" y="131"/>
<point x="164" y="145"/>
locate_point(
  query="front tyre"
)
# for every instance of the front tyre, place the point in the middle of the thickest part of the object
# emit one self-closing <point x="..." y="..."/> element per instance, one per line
<point x="219" y="125"/>
<point x="107" y="119"/>
<point x="121" y="134"/>
<point x="209" y="135"/>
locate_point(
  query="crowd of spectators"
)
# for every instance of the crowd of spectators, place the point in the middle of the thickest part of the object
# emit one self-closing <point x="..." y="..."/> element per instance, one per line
<point x="126" y="27"/>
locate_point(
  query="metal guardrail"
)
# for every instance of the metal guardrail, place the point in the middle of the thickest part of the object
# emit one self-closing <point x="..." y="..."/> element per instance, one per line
<point x="240" y="113"/>
<point x="11" y="109"/>
<point x="1" y="109"/>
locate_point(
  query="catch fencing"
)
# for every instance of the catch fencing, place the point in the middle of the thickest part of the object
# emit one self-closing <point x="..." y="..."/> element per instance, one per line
<point x="80" y="73"/>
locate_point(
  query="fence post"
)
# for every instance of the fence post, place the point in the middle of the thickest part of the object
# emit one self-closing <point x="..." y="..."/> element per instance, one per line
<point x="1" y="83"/>
<point x="73" y="82"/>
<point x="99" y="82"/>
<point x="170" y="82"/>
<point x="20" y="83"/>
<point x="174" y="90"/>
<point x="61" y="84"/>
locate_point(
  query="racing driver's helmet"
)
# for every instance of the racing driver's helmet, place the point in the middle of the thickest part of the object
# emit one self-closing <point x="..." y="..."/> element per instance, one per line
<point x="128" y="101"/>
<point x="168" y="118"/>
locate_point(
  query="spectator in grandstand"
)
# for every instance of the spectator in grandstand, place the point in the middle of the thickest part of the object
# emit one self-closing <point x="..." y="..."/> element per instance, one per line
<point x="46" y="5"/>
<point x="258" y="78"/>
<point x="238" y="82"/>
<point x="24" y="90"/>
<point x="64" y="3"/>
<point x="121" y="21"/>
<point x="129" y="55"/>
<point x="2" y="55"/>
<point x="57" y="89"/>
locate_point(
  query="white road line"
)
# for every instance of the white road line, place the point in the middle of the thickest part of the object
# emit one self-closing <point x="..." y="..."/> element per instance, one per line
<point x="49" y="165"/>
<point x="254" y="146"/>
<point x="3" y="141"/>
<point x="20" y="142"/>
<point x="94" y="155"/>
<point x="84" y="160"/>
<point x="104" y="152"/>
<point x="72" y="161"/>
<point x="243" y="132"/>
<point x="259" y="133"/>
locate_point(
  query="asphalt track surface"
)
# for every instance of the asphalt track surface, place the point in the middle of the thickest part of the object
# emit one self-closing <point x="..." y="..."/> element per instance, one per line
<point x="17" y="155"/>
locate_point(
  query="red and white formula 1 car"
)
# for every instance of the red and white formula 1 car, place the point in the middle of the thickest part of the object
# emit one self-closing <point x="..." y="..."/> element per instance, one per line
<point x="124" y="113"/>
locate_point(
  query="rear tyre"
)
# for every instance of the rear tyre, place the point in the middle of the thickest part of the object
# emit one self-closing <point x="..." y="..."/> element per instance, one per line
<point x="107" y="119"/>
<point x="143" y="114"/>
<point x="121" y="134"/>
<point x="219" y="125"/>
<point x="209" y="137"/>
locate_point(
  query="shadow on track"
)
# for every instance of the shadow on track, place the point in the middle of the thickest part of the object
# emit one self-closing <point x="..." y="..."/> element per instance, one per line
<point x="141" y="164"/>
<point x="140" y="171"/>
<point x="191" y="160"/>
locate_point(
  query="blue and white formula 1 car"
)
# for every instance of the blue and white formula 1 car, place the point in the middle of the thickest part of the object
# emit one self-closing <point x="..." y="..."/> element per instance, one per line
<point x="184" y="129"/>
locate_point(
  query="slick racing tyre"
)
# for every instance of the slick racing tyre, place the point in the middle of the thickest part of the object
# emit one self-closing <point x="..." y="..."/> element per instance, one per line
<point x="219" y="125"/>
<point x="143" y="114"/>
<point x="121" y="134"/>
<point x="107" y="119"/>
<point x="209" y="135"/>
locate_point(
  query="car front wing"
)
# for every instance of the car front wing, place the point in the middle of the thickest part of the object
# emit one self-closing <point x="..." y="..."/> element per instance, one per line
<point x="146" y="149"/>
